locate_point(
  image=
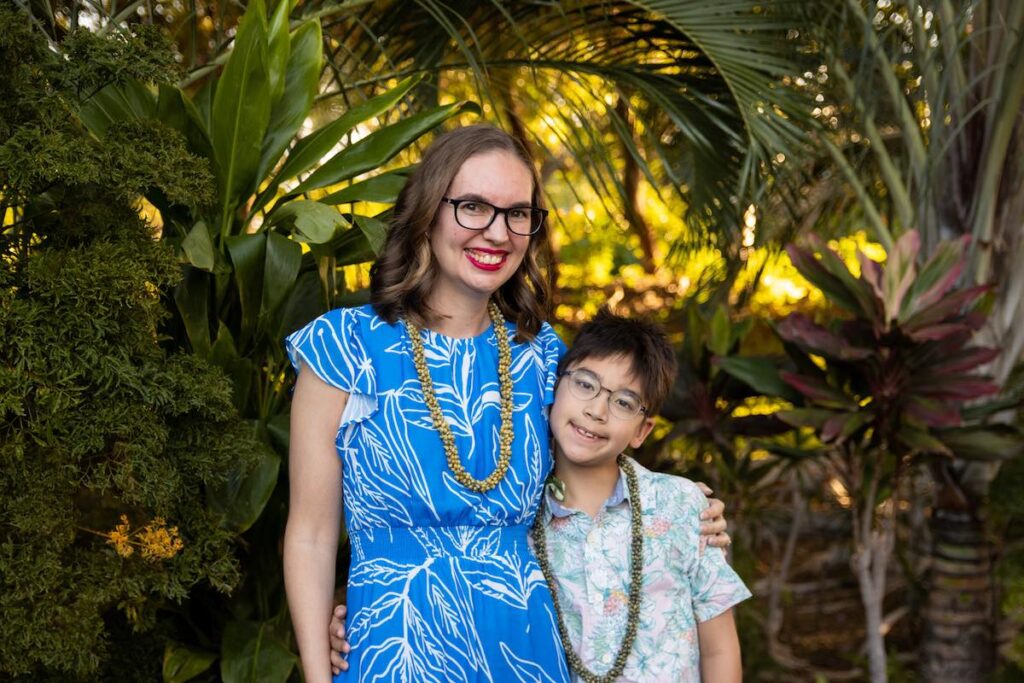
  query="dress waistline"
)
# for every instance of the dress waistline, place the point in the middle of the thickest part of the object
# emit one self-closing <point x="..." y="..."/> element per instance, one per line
<point x="411" y="543"/>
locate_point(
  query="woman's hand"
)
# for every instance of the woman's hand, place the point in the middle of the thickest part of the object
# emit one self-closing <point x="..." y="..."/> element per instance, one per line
<point x="713" y="524"/>
<point x="339" y="644"/>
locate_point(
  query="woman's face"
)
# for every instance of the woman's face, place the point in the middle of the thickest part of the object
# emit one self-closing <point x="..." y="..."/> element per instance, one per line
<point x="475" y="263"/>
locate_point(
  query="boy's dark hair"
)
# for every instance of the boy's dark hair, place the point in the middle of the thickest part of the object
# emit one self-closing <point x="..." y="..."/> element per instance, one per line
<point x="652" y="360"/>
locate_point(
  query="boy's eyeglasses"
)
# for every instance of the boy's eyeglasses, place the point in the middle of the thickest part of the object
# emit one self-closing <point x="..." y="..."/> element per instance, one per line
<point x="473" y="214"/>
<point x="585" y="385"/>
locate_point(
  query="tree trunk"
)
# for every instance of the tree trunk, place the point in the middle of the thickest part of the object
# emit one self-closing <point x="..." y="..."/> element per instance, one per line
<point x="957" y="644"/>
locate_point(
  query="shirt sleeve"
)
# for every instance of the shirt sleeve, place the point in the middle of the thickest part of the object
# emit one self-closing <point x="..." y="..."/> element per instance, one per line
<point x="333" y="349"/>
<point x="552" y="348"/>
<point x="714" y="585"/>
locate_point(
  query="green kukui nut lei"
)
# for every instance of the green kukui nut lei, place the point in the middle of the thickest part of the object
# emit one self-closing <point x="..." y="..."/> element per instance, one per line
<point x="441" y="425"/>
<point x="636" y="565"/>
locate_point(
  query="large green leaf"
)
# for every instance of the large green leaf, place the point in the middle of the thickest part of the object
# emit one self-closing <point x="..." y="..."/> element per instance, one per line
<point x="860" y="289"/>
<point x="311" y="149"/>
<point x="922" y="442"/>
<point x="720" y="339"/>
<point x="117" y="102"/>
<point x="199" y="247"/>
<point x="383" y="189"/>
<point x="191" y="297"/>
<point x="239" y="370"/>
<point x="760" y="374"/>
<point x="806" y="417"/>
<point x="252" y="653"/>
<point x="281" y="269"/>
<point x="175" y="109"/>
<point x="376" y="232"/>
<point x="278" y="48"/>
<point x="352" y="246"/>
<point x="787" y="452"/>
<point x="128" y="101"/>
<point x="381" y="146"/>
<point x="182" y="663"/>
<point x="300" y="85"/>
<point x="986" y="443"/>
<point x="241" y="111"/>
<point x="248" y="254"/>
<point x="313" y="222"/>
<point x="241" y="499"/>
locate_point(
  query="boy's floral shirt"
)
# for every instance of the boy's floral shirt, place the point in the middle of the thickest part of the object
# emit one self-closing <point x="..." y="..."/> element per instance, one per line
<point x="682" y="586"/>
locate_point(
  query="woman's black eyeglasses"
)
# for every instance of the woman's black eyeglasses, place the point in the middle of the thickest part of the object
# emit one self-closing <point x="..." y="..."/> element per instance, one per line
<point x="474" y="214"/>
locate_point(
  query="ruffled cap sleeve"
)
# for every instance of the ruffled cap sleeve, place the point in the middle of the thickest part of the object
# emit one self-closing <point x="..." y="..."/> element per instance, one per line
<point x="552" y="348"/>
<point x="332" y="347"/>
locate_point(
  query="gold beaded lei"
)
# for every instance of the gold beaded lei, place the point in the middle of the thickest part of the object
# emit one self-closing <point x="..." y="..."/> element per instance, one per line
<point x="636" y="565"/>
<point x="442" y="426"/>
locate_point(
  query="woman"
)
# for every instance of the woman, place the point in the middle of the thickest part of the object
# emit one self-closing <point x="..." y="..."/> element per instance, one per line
<point x="442" y="585"/>
<point x="427" y="407"/>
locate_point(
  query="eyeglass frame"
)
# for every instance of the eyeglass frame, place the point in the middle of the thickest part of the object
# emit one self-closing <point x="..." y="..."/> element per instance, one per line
<point x="497" y="210"/>
<point x="601" y="388"/>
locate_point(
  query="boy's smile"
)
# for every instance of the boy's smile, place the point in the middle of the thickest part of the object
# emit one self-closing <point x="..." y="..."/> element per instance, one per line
<point x="586" y="432"/>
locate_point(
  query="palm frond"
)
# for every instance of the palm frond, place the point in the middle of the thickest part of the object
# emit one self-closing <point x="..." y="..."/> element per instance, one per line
<point x="703" y="80"/>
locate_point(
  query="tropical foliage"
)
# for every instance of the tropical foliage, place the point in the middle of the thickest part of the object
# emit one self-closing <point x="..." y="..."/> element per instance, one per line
<point x="666" y="129"/>
<point x="884" y="389"/>
<point x="115" y="451"/>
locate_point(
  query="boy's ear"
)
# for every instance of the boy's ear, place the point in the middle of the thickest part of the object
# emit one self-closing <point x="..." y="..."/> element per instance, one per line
<point x="641" y="432"/>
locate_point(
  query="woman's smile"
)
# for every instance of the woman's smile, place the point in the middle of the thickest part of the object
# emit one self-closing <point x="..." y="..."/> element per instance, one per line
<point x="486" y="259"/>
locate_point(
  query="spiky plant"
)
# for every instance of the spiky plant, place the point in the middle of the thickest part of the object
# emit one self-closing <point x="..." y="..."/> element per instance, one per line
<point x="888" y="386"/>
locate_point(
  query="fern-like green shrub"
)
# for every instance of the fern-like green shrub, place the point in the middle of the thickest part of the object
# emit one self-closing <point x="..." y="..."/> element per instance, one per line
<point x="109" y="443"/>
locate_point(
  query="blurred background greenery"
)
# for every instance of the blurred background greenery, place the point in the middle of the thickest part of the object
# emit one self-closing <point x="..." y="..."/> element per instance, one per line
<point x="203" y="177"/>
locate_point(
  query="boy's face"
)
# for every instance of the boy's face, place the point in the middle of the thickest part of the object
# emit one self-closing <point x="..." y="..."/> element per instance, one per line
<point x="586" y="433"/>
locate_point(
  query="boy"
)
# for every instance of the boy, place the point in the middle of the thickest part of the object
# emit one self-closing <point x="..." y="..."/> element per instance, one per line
<point x="662" y="614"/>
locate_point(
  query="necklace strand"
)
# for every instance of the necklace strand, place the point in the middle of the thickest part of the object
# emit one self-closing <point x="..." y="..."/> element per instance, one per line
<point x="444" y="430"/>
<point x="636" y="546"/>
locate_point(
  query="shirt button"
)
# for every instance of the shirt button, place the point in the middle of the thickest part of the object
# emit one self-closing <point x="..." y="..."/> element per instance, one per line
<point x="607" y="658"/>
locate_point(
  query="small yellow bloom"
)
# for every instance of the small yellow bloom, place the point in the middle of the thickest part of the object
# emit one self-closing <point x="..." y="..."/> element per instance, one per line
<point x="159" y="542"/>
<point x="156" y="540"/>
<point x="120" y="538"/>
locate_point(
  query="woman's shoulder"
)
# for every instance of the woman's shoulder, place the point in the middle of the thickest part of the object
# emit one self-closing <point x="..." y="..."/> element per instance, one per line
<point x="547" y="341"/>
<point x="354" y="319"/>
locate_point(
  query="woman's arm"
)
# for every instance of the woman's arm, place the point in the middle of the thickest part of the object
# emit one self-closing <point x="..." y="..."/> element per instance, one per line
<point x="720" y="650"/>
<point x="314" y="518"/>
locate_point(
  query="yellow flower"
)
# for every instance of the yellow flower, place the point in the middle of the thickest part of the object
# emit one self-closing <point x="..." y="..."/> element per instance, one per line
<point x="158" y="541"/>
<point x="120" y="538"/>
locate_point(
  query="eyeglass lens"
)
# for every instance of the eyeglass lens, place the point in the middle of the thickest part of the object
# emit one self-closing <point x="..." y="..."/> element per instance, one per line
<point x="585" y="385"/>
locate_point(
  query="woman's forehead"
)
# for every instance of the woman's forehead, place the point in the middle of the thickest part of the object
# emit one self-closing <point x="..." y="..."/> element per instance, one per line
<point x="495" y="175"/>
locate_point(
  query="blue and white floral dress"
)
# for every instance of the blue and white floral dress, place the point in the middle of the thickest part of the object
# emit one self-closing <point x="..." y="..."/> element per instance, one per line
<point x="443" y="586"/>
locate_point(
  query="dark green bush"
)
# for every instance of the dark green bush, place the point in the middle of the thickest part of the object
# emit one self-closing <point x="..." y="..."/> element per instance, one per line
<point x="99" y="424"/>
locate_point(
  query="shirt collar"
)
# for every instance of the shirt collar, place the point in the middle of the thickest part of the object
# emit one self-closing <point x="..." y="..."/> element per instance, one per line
<point x="555" y="507"/>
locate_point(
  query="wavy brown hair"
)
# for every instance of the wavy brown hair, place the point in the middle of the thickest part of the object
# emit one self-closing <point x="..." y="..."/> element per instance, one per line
<point x="404" y="274"/>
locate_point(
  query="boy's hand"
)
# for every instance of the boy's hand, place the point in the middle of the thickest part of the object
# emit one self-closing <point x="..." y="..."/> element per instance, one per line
<point x="713" y="524"/>
<point x="339" y="644"/>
